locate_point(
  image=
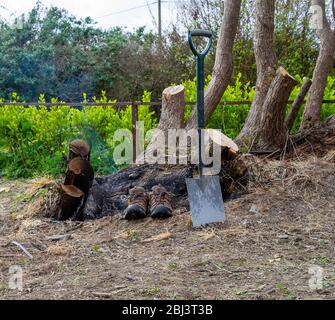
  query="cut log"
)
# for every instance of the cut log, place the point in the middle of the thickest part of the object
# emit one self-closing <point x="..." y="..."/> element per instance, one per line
<point x="80" y="175"/>
<point x="222" y="140"/>
<point x="71" y="200"/>
<point x="273" y="134"/>
<point x="298" y="102"/>
<point x="79" y="148"/>
<point x="229" y="149"/>
<point x="172" y="117"/>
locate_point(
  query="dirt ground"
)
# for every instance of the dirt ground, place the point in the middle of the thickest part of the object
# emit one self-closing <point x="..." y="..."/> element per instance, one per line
<point x="280" y="228"/>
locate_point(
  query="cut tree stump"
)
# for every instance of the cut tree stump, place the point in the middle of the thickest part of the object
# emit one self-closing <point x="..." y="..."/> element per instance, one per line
<point x="173" y="107"/>
<point x="272" y="136"/>
<point x="108" y="195"/>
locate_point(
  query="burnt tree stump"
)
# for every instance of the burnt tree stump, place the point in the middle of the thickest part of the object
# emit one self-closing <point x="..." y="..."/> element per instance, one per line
<point x="108" y="195"/>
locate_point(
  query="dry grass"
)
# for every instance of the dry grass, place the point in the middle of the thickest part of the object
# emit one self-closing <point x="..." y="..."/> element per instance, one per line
<point x="281" y="226"/>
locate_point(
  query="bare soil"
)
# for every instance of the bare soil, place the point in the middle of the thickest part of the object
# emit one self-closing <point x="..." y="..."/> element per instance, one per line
<point x="280" y="227"/>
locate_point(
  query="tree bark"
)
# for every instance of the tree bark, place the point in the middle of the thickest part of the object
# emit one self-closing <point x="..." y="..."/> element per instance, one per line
<point x="223" y="67"/>
<point x="323" y="67"/>
<point x="173" y="107"/>
<point x="273" y="134"/>
<point x="266" y="62"/>
<point x="298" y="102"/>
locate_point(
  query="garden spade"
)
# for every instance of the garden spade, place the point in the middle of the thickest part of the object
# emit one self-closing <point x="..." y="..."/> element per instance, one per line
<point x="204" y="192"/>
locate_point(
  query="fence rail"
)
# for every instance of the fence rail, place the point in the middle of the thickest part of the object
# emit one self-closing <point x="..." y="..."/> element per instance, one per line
<point x="125" y="103"/>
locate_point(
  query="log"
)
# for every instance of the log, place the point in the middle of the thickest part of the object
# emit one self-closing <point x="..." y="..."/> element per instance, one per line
<point x="228" y="148"/>
<point x="272" y="135"/>
<point x="71" y="199"/>
<point x="222" y="140"/>
<point x="298" y="102"/>
<point x="172" y="117"/>
<point x="79" y="148"/>
<point x="80" y="175"/>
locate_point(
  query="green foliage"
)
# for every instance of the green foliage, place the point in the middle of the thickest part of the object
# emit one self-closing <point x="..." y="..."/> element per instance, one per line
<point x="327" y="110"/>
<point x="34" y="141"/>
<point x="228" y="118"/>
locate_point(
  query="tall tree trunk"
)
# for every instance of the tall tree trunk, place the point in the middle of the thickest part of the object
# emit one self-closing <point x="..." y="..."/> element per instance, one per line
<point x="298" y="102"/>
<point x="223" y="67"/>
<point x="323" y="67"/>
<point x="266" y="62"/>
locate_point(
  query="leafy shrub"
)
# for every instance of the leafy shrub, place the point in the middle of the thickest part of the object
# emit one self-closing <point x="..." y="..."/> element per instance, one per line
<point x="228" y="118"/>
<point x="34" y="140"/>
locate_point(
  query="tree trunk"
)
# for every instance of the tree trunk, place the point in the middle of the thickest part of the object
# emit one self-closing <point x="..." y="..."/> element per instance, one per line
<point x="223" y="67"/>
<point x="273" y="134"/>
<point x="173" y="107"/>
<point x="323" y="67"/>
<point x="266" y="61"/>
<point x="298" y="102"/>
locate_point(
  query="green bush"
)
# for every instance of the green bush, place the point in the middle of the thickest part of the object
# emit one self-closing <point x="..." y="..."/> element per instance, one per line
<point x="228" y="118"/>
<point x="34" y="141"/>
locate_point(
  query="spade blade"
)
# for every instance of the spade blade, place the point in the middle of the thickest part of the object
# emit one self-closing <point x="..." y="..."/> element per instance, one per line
<point x="205" y="199"/>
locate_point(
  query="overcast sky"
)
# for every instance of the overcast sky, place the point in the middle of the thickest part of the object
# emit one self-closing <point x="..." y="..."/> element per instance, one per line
<point x="106" y="12"/>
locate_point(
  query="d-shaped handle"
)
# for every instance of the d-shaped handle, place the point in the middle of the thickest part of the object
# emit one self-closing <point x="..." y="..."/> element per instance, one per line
<point x="200" y="33"/>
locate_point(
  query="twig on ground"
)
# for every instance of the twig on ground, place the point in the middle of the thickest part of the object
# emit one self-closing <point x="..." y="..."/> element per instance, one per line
<point x="23" y="249"/>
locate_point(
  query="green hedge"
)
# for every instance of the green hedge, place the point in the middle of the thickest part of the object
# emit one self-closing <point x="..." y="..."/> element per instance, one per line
<point x="34" y="141"/>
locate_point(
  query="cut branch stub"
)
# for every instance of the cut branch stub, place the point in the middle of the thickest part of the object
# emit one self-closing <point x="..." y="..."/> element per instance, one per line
<point x="71" y="199"/>
<point x="79" y="148"/>
<point x="229" y="148"/>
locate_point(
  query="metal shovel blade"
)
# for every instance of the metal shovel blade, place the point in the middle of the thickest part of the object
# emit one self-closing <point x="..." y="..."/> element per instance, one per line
<point x="205" y="197"/>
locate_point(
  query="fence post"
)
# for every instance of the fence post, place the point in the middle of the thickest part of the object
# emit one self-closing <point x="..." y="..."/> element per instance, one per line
<point x="134" y="119"/>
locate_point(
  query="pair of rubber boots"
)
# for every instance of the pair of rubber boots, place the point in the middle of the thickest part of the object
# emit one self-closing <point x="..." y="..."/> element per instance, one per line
<point x="139" y="201"/>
